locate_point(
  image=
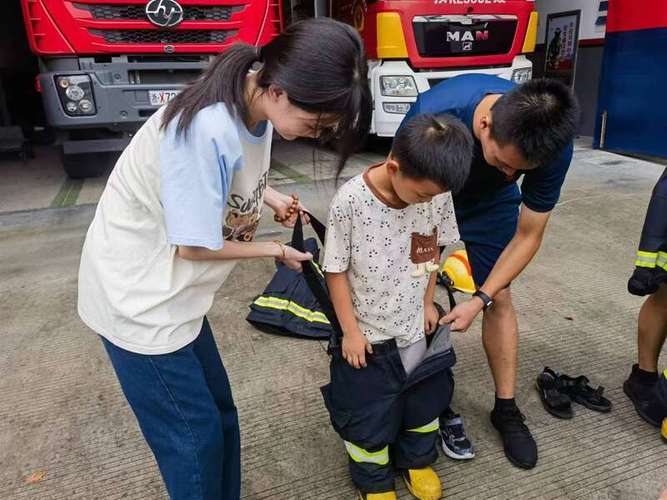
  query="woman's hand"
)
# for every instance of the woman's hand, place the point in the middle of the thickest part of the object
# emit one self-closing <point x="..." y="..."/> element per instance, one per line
<point x="354" y="347"/>
<point x="293" y="258"/>
<point x="285" y="208"/>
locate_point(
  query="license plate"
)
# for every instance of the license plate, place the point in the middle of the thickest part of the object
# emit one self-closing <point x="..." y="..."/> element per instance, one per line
<point x="160" y="97"/>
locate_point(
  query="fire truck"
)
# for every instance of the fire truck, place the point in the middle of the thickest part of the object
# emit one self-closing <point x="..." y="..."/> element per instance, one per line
<point x="414" y="45"/>
<point x="106" y="65"/>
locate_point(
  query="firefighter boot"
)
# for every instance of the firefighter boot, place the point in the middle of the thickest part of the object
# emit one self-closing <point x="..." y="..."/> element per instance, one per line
<point x="424" y="484"/>
<point x="385" y="495"/>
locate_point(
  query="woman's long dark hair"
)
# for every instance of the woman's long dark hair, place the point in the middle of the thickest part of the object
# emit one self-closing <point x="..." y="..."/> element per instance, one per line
<point x="319" y="63"/>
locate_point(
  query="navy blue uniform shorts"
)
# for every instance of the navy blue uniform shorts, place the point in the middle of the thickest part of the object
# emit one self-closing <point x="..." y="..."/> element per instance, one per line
<point x="487" y="224"/>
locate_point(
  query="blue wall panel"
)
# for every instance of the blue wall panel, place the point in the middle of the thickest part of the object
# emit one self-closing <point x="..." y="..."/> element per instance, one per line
<point x="633" y="91"/>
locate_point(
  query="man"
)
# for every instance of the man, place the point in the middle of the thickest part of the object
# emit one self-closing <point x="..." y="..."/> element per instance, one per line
<point x="650" y="278"/>
<point x="519" y="130"/>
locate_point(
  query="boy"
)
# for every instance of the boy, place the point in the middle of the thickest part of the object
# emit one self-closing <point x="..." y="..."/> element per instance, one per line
<point x="381" y="254"/>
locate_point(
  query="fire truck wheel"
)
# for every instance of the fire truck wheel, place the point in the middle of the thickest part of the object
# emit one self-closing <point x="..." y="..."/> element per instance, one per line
<point x="83" y="165"/>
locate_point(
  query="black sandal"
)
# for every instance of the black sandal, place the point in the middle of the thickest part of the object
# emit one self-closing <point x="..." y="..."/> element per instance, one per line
<point x="580" y="392"/>
<point x="555" y="402"/>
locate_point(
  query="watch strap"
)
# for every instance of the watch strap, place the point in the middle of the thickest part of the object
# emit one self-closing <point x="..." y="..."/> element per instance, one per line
<point x="488" y="301"/>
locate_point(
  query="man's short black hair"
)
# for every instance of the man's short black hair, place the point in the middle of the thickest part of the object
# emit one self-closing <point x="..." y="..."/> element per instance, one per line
<point x="539" y="117"/>
<point x="434" y="147"/>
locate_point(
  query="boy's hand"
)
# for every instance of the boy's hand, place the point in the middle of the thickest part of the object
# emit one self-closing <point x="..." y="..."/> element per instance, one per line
<point x="354" y="346"/>
<point x="431" y="317"/>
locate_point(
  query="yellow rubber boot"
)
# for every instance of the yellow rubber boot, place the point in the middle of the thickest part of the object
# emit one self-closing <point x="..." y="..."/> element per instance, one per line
<point x="424" y="483"/>
<point x="385" y="495"/>
<point x="663" y="430"/>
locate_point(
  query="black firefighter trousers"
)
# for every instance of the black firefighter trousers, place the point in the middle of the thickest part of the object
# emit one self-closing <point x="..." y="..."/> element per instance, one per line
<point x="387" y="419"/>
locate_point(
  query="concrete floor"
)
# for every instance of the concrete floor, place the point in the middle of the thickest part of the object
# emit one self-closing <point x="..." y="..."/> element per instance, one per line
<point x="66" y="431"/>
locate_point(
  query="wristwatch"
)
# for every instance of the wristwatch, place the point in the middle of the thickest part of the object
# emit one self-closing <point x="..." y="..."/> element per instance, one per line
<point x="488" y="301"/>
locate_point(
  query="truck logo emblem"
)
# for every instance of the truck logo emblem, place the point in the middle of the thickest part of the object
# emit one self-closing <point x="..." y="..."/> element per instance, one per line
<point x="164" y="13"/>
<point x="467" y="36"/>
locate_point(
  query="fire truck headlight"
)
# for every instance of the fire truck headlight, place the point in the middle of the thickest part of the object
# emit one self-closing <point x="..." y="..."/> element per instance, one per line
<point x="76" y="94"/>
<point x="85" y="106"/>
<point x="522" y="75"/>
<point x="398" y="108"/>
<point x="398" y="86"/>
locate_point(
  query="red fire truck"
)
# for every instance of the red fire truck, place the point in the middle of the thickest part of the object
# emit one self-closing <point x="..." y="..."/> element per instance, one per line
<point x="107" y="65"/>
<point x="413" y="45"/>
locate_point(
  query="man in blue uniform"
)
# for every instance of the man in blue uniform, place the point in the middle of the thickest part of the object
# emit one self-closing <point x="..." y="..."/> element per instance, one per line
<point x="524" y="130"/>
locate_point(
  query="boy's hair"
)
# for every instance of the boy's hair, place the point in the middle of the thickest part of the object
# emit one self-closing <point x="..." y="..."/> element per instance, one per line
<point x="434" y="147"/>
<point x="539" y="117"/>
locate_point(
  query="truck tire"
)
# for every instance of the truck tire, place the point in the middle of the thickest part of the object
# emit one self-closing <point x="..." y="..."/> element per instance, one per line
<point x="83" y="165"/>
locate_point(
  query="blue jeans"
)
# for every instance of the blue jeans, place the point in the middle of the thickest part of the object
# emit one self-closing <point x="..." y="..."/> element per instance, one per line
<point x="184" y="406"/>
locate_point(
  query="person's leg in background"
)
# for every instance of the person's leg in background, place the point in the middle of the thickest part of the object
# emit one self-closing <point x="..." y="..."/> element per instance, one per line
<point x="652" y="329"/>
<point x="207" y="352"/>
<point x="486" y="228"/>
<point x="178" y="417"/>
<point x="651" y="335"/>
<point x="500" y="337"/>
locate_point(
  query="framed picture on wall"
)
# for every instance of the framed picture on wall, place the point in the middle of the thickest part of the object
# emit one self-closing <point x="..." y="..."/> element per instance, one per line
<point x="561" y="44"/>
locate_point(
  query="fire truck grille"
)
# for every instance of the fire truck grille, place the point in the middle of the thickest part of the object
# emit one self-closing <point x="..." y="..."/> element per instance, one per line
<point x="164" y="36"/>
<point x="114" y="12"/>
<point x="450" y="36"/>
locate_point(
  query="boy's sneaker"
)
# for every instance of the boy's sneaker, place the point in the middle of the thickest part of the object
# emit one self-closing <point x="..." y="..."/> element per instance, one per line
<point x="455" y="443"/>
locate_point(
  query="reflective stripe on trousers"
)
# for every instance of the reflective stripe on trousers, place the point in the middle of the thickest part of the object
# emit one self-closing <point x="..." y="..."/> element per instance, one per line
<point x="430" y="427"/>
<point x="651" y="260"/>
<point x="360" y="455"/>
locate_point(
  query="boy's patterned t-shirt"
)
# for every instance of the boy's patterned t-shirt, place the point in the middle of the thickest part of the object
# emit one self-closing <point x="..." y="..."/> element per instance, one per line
<point x="371" y="241"/>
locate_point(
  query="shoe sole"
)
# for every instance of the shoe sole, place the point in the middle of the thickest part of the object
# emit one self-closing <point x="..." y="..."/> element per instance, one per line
<point x="407" y="485"/>
<point x="512" y="460"/>
<point x="639" y="411"/>
<point x="452" y="454"/>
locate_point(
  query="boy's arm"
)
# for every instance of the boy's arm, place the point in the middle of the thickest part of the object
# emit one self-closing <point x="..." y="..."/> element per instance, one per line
<point x="429" y="296"/>
<point x="431" y="314"/>
<point x="354" y="345"/>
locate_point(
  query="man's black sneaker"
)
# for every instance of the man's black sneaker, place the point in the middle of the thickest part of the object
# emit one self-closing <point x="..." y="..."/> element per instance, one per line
<point x="644" y="397"/>
<point x="520" y="447"/>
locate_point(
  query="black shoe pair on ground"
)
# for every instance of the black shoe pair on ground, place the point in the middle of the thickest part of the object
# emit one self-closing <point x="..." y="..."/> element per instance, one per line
<point x="558" y="391"/>
<point x="640" y="387"/>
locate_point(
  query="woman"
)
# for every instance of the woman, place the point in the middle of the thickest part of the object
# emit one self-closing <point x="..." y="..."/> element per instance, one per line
<point x="181" y="205"/>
